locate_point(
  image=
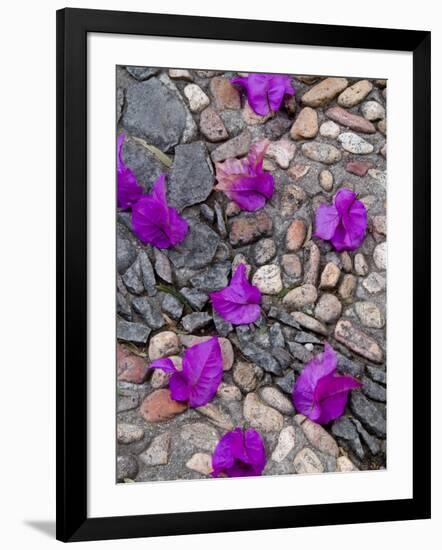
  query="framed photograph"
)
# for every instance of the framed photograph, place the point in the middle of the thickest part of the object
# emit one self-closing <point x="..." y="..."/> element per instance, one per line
<point x="235" y="352"/>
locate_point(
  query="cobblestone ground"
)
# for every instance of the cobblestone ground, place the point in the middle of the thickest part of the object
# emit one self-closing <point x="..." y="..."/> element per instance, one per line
<point x="334" y="135"/>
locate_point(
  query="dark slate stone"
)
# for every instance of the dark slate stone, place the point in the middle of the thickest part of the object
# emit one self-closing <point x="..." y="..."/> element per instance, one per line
<point x="191" y="177"/>
<point x="223" y="328"/>
<point x="207" y="213"/>
<point x="154" y="113"/>
<point x="142" y="73"/>
<point x="306" y="338"/>
<point x="143" y="163"/>
<point x="147" y="273"/>
<point x="162" y="266"/>
<point x="276" y="336"/>
<point x="261" y="357"/>
<point x="377" y="374"/>
<point x="373" y="390"/>
<point x="132" y="332"/>
<point x="286" y="382"/>
<point x="120" y="103"/>
<point x="372" y="442"/>
<point x="198" y="248"/>
<point x="368" y="413"/>
<point x="262" y="338"/>
<point x="133" y="278"/>
<point x="125" y="218"/>
<point x="282" y="316"/>
<point x="244" y="333"/>
<point x="172" y="306"/>
<point x="123" y="307"/>
<point x="282" y="356"/>
<point x="126" y="253"/>
<point x="344" y="428"/>
<point x="213" y="278"/>
<point x="196" y="299"/>
<point x="127" y="467"/>
<point x="196" y="321"/>
<point x="347" y="366"/>
<point x="299" y="352"/>
<point x="220" y="223"/>
<point x="150" y="311"/>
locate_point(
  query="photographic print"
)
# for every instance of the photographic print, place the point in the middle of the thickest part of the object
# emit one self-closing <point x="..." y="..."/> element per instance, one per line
<point x="251" y="274"/>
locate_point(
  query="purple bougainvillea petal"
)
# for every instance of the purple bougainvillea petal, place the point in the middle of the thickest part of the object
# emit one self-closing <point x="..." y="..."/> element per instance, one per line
<point x="343" y="200"/>
<point x="279" y="87"/>
<point x="239" y="454"/>
<point x="179" y="387"/>
<point x="238" y="303"/>
<point x="203" y="370"/>
<point x="128" y="189"/>
<point x="251" y="193"/>
<point x="257" y="86"/>
<point x="327" y="221"/>
<point x="319" y="393"/>
<point x="165" y="364"/>
<point x="244" y="181"/>
<point x="265" y="92"/>
<point x="155" y="222"/>
<point x="332" y="393"/>
<point x="344" y="224"/>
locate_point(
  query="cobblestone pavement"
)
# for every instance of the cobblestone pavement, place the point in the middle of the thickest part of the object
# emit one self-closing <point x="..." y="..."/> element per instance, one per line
<point x="180" y="122"/>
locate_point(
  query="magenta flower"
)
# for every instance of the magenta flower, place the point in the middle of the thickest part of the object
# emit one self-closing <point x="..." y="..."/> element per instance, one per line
<point x="343" y="223"/>
<point x="155" y="222"/>
<point x="239" y="454"/>
<point x="201" y="375"/>
<point x="128" y="189"/>
<point x="239" y="302"/>
<point x="320" y="393"/>
<point x="265" y="92"/>
<point x="244" y="180"/>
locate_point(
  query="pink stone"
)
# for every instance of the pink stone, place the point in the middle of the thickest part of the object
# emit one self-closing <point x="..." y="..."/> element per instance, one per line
<point x="130" y="367"/>
<point x="159" y="406"/>
<point x="355" y="122"/>
<point x="358" y="167"/>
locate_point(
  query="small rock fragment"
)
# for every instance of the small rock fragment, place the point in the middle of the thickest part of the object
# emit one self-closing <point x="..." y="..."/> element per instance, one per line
<point x="328" y="309"/>
<point x="197" y="99"/>
<point x="201" y="463"/>
<point x="330" y="276"/>
<point x="158" y="451"/>
<point x="286" y="442"/>
<point x="359" y="342"/>
<point x="268" y="279"/>
<point x="163" y="344"/>
<point x="260" y="416"/>
<point x="322" y="93"/>
<point x="307" y="462"/>
<point x="355" y="94"/>
<point x="306" y="124"/>
<point x="326" y="180"/>
<point x="296" y="234"/>
<point x="158" y="406"/>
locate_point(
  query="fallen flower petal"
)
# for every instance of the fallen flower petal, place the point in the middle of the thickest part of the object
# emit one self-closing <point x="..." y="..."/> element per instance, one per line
<point x="238" y="303"/>
<point x="265" y="92"/>
<point x="320" y="393"/>
<point x="155" y="222"/>
<point x="244" y="180"/>
<point x="239" y="454"/>
<point x="128" y="189"/>
<point x="201" y="375"/>
<point x="344" y="223"/>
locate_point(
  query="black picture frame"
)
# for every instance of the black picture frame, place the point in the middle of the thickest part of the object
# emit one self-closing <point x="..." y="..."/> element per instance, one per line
<point x="73" y="25"/>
